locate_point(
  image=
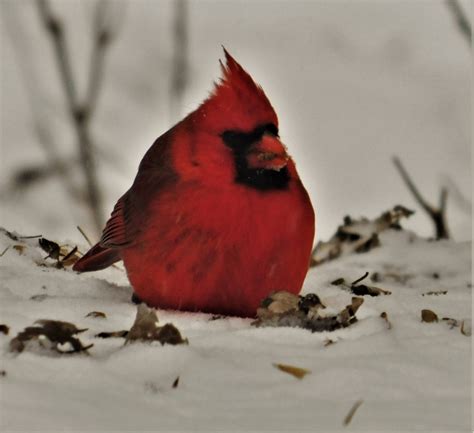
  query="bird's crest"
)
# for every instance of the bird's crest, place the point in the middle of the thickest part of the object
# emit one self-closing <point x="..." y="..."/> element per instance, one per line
<point x="236" y="102"/>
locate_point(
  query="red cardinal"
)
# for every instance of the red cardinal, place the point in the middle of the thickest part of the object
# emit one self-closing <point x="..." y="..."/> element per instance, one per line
<point x="217" y="217"/>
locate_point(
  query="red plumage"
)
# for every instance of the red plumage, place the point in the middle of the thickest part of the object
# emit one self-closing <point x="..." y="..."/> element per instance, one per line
<point x="217" y="217"/>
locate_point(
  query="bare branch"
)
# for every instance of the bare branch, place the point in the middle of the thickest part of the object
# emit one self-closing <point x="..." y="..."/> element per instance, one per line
<point x="105" y="30"/>
<point x="411" y="186"/>
<point x="461" y="18"/>
<point x="180" y="57"/>
<point x="79" y="116"/>
<point x="437" y="215"/>
<point x="38" y="110"/>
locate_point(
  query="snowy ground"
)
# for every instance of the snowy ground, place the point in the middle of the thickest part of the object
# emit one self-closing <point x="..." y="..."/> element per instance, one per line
<point x="413" y="377"/>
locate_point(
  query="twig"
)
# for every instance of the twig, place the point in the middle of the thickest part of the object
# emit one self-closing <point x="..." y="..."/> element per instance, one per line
<point x="437" y="215"/>
<point x="461" y="18"/>
<point x="18" y="39"/>
<point x="81" y="113"/>
<point x="180" y="53"/>
<point x="360" y="279"/>
<point x="352" y="411"/>
<point x="84" y="235"/>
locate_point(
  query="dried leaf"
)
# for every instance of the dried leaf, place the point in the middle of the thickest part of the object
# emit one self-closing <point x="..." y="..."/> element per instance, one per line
<point x="114" y="334"/>
<point x="55" y="331"/>
<point x="303" y="312"/>
<point x="466" y="328"/>
<point x="352" y="411"/>
<point x="358" y="235"/>
<point x="4" y="329"/>
<point x="19" y="248"/>
<point x="328" y="342"/>
<point x="436" y="293"/>
<point x="297" y="372"/>
<point x="50" y="247"/>
<point x="428" y="316"/>
<point x="384" y="316"/>
<point x="360" y="289"/>
<point x="39" y="298"/>
<point x="70" y="258"/>
<point x="96" y="314"/>
<point x="146" y="328"/>
<point x="175" y="383"/>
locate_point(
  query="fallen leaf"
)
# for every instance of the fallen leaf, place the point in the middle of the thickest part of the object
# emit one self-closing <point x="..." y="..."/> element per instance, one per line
<point x="358" y="236"/>
<point x="436" y="293"/>
<point x="50" y="247"/>
<point x="304" y="312"/>
<point x="55" y="332"/>
<point x="175" y="383"/>
<point x="428" y="316"/>
<point x="19" y="248"/>
<point x="4" y="329"/>
<point x="146" y="328"/>
<point x="384" y="316"/>
<point x="297" y="372"/>
<point x="360" y="289"/>
<point x="39" y="298"/>
<point x="96" y="314"/>
<point x="466" y="328"/>
<point x="114" y="334"/>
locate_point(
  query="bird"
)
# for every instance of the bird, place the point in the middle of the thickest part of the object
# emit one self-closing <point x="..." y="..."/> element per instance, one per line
<point x="217" y="217"/>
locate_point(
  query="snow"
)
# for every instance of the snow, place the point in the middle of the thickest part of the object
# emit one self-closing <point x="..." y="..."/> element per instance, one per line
<point x="412" y="377"/>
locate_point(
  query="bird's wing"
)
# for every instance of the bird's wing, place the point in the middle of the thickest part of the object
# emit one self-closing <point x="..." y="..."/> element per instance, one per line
<point x="128" y="218"/>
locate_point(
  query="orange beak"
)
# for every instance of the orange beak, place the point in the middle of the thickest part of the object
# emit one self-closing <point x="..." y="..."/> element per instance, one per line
<point x="269" y="154"/>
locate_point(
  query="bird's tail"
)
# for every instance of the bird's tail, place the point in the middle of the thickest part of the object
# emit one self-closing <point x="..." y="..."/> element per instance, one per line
<point x="97" y="258"/>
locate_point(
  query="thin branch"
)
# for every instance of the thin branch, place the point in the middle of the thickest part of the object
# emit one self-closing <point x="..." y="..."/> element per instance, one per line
<point x="83" y="233"/>
<point x="79" y="116"/>
<point x="180" y="57"/>
<point x="461" y="18"/>
<point x="437" y="215"/>
<point x="36" y="104"/>
<point x="104" y="31"/>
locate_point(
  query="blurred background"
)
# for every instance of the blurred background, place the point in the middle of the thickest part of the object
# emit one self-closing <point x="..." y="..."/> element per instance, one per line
<point x="87" y="86"/>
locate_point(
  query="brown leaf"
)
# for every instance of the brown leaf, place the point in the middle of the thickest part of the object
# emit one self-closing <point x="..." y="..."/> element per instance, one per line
<point x="384" y="316"/>
<point x="4" y="329"/>
<point x="50" y="247"/>
<point x="96" y="314"/>
<point x="175" y="383"/>
<point x="145" y="328"/>
<point x="466" y="328"/>
<point x="19" y="248"/>
<point x="297" y="372"/>
<point x="358" y="236"/>
<point x="428" y="316"/>
<point x="435" y="292"/>
<point x="114" y="334"/>
<point x="55" y="331"/>
<point x="305" y="313"/>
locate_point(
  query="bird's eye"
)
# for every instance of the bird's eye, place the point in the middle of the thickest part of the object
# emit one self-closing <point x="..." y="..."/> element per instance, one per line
<point x="240" y="140"/>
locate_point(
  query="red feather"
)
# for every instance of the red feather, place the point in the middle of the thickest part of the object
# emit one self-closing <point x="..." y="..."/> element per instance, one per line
<point x="208" y="226"/>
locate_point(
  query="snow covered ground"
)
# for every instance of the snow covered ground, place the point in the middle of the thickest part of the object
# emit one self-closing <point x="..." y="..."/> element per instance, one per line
<point x="412" y="377"/>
